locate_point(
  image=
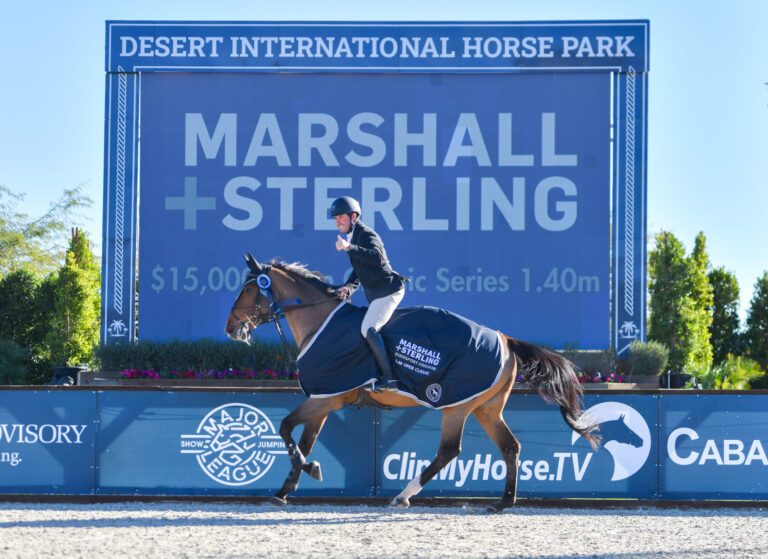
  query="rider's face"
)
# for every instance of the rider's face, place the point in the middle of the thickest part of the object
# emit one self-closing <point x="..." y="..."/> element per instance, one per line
<point x="344" y="223"/>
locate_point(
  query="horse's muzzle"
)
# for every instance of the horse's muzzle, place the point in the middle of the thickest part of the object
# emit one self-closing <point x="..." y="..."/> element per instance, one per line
<point x="239" y="334"/>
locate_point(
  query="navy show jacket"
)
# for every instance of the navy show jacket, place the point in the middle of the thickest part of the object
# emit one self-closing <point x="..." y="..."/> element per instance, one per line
<point x="370" y="265"/>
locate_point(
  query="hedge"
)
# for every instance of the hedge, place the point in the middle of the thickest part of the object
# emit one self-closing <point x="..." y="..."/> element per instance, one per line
<point x="198" y="355"/>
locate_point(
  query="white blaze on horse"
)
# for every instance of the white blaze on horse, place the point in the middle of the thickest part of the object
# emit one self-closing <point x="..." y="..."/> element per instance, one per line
<point x="278" y="289"/>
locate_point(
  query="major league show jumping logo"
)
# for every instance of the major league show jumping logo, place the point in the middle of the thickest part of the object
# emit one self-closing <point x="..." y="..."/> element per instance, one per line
<point x="235" y="444"/>
<point x="625" y="436"/>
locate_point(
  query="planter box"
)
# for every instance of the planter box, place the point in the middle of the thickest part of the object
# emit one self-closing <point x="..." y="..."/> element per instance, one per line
<point x="620" y="386"/>
<point x="110" y="378"/>
<point x="674" y="380"/>
<point x="604" y="386"/>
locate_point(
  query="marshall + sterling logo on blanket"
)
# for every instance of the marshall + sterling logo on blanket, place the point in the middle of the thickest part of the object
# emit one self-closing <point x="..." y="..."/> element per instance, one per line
<point x="416" y="358"/>
<point x="439" y="358"/>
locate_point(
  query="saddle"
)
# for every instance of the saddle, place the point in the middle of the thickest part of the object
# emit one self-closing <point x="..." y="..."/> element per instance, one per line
<point x="439" y="358"/>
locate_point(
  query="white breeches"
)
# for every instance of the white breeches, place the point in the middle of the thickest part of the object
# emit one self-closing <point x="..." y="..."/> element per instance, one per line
<point x="380" y="310"/>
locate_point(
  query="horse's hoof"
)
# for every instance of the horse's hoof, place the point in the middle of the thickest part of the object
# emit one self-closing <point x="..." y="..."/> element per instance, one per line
<point x="496" y="507"/>
<point x="314" y="470"/>
<point x="400" y="503"/>
<point x="276" y="501"/>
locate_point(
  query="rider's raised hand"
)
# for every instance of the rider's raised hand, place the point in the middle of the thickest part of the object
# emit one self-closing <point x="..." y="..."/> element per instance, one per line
<point x="342" y="293"/>
<point x="341" y="244"/>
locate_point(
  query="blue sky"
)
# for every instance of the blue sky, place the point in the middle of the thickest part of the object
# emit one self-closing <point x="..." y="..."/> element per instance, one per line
<point x="708" y="100"/>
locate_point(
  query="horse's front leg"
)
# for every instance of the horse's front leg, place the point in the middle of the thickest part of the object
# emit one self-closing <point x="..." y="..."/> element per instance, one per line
<point x="312" y="414"/>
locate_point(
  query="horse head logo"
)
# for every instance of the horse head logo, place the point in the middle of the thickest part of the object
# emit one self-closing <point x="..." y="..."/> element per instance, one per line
<point x="625" y="436"/>
<point x="618" y="430"/>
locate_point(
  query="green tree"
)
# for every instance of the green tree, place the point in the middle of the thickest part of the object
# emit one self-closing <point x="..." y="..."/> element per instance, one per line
<point x="74" y="328"/>
<point x="34" y="242"/>
<point x="13" y="359"/>
<point x="17" y="307"/>
<point x="679" y="299"/>
<point x="757" y="322"/>
<point x="724" y="332"/>
<point x="26" y="308"/>
<point x="701" y="293"/>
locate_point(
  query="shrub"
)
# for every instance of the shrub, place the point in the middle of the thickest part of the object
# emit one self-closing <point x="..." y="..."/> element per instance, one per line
<point x="12" y="367"/>
<point x="591" y="362"/>
<point x="647" y="358"/>
<point x="735" y="373"/>
<point x="199" y="355"/>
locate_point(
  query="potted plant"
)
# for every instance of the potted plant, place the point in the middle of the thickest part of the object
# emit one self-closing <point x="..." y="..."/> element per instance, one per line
<point x="647" y="359"/>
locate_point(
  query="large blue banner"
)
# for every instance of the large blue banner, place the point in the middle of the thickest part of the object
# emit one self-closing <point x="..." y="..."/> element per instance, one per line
<point x="124" y="442"/>
<point x="554" y="461"/>
<point x="492" y="195"/>
<point x="197" y="443"/>
<point x="713" y="447"/>
<point x="486" y="154"/>
<point x="47" y="441"/>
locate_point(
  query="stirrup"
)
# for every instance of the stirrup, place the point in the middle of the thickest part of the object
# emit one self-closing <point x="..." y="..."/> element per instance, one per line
<point x="371" y="387"/>
<point x="385" y="385"/>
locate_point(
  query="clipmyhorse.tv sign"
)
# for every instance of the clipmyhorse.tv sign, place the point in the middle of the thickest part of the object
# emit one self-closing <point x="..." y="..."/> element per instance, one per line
<point x="486" y="155"/>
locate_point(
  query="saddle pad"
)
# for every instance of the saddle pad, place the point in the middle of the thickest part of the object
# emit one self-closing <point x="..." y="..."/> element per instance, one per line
<point x="440" y="358"/>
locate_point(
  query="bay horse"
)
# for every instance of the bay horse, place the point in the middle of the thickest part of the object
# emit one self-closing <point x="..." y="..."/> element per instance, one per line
<point x="305" y="300"/>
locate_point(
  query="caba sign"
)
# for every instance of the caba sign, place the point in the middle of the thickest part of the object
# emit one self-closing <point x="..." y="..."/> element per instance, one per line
<point x="489" y="182"/>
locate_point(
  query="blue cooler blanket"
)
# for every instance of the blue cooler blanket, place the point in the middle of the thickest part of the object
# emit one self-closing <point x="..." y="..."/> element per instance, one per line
<point x="440" y="358"/>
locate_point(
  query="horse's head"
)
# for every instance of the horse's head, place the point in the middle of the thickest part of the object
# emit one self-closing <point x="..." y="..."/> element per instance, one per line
<point x="251" y="307"/>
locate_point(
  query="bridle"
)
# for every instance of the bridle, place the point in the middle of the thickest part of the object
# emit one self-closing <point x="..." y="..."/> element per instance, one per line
<point x="277" y="309"/>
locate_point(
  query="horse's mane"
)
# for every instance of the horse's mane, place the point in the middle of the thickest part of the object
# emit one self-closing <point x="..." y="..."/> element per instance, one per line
<point x="315" y="278"/>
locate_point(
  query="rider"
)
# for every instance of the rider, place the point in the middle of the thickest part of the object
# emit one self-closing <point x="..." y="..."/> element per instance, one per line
<point x="370" y="267"/>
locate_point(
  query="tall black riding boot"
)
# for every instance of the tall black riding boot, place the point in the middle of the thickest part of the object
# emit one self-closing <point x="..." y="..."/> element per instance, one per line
<point x="379" y="350"/>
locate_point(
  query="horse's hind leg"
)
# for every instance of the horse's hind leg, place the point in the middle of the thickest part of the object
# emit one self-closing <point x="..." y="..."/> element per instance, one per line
<point x="489" y="415"/>
<point x="450" y="447"/>
<point x="312" y="414"/>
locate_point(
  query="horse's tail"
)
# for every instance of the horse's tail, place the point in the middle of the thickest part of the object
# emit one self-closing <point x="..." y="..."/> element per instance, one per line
<point x="555" y="379"/>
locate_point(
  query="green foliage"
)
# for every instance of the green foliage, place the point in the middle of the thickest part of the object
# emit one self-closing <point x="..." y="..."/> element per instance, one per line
<point x="757" y="322"/>
<point x="647" y="358"/>
<point x="17" y="296"/>
<point x="12" y="363"/>
<point x="735" y="373"/>
<point x="200" y="355"/>
<point x="701" y="293"/>
<point x="35" y="242"/>
<point x="680" y="301"/>
<point x="591" y="362"/>
<point x="26" y="308"/>
<point x="724" y="333"/>
<point x="74" y="329"/>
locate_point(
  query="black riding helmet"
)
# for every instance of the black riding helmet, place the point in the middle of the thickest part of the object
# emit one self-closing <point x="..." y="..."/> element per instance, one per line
<point x="344" y="205"/>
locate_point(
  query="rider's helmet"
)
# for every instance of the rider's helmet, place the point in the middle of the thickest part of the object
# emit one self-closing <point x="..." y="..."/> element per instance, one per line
<point x="344" y="205"/>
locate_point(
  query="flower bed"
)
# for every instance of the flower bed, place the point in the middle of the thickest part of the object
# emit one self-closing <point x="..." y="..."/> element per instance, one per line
<point x="588" y="378"/>
<point x="592" y="378"/>
<point x="264" y="374"/>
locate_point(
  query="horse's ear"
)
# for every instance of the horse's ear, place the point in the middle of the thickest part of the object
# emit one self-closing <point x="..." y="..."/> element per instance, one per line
<point x="252" y="264"/>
